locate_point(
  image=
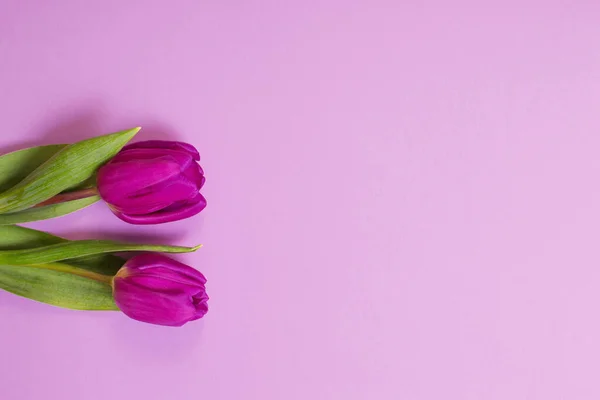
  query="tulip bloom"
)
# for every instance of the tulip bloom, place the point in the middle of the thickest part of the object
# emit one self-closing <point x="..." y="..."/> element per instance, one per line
<point x="156" y="289"/>
<point x="153" y="182"/>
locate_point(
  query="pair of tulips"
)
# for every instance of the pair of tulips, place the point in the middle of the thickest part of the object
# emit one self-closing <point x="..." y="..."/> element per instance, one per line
<point x="153" y="182"/>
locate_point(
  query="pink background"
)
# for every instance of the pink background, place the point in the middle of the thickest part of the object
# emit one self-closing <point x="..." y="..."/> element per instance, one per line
<point x="404" y="197"/>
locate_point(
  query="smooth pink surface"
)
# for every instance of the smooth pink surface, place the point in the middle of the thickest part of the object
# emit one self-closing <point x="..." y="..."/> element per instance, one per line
<point x="403" y="196"/>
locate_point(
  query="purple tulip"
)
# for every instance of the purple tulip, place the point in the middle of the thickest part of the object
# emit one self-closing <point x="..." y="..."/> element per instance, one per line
<point x="153" y="182"/>
<point x="156" y="289"/>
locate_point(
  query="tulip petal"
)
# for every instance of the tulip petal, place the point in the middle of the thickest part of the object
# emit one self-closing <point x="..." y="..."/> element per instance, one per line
<point x="195" y="174"/>
<point x="172" y="213"/>
<point x="157" y="197"/>
<point x="168" y="309"/>
<point x="117" y="181"/>
<point x="132" y="155"/>
<point x="165" y="267"/>
<point x="201" y="310"/>
<point x="166" y="145"/>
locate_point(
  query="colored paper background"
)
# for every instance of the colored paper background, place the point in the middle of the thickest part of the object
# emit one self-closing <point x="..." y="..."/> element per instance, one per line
<point x="404" y="196"/>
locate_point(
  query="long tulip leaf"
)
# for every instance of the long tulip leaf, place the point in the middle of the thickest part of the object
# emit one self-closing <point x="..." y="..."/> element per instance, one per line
<point x="80" y="248"/>
<point x="13" y="237"/>
<point x="15" y="166"/>
<point x="68" y="167"/>
<point x="47" y="212"/>
<point x="57" y="288"/>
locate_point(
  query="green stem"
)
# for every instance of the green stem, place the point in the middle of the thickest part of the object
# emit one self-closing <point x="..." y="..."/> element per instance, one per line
<point x="64" y="197"/>
<point x="73" y="270"/>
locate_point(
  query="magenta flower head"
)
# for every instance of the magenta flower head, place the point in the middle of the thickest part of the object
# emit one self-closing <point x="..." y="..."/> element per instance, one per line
<point x="153" y="182"/>
<point x="156" y="289"/>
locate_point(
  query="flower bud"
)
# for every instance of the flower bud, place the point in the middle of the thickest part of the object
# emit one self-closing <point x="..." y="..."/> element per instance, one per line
<point x="156" y="289"/>
<point x="153" y="182"/>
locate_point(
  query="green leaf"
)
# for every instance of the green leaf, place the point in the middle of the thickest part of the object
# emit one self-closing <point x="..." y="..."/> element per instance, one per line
<point x="14" y="237"/>
<point x="70" y="166"/>
<point x="105" y="264"/>
<point x="57" y="288"/>
<point x="78" y="249"/>
<point x="15" y="166"/>
<point x="17" y="237"/>
<point x="47" y="212"/>
<point x="87" y="184"/>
